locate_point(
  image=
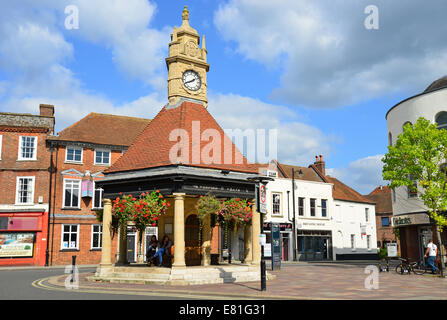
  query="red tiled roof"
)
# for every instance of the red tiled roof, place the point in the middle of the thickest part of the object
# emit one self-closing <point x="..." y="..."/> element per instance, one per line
<point x="104" y="129"/>
<point x="153" y="147"/>
<point x="382" y="197"/>
<point x="341" y="191"/>
<point x="308" y="174"/>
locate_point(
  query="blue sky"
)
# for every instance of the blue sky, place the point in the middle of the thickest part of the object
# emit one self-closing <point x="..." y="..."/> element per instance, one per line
<point x="309" y="68"/>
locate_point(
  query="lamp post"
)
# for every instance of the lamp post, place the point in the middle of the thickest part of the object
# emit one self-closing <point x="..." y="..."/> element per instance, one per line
<point x="295" y="248"/>
<point x="263" y="181"/>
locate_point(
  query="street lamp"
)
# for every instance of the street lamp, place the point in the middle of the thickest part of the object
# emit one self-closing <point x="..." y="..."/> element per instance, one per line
<point x="295" y="248"/>
<point x="263" y="181"/>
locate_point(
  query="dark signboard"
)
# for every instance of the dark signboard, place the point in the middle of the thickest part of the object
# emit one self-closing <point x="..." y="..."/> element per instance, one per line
<point x="276" y="246"/>
<point x="282" y="226"/>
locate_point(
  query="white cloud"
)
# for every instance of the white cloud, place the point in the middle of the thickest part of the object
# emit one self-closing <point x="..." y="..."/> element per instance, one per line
<point x="363" y="175"/>
<point x="329" y="57"/>
<point x="297" y="143"/>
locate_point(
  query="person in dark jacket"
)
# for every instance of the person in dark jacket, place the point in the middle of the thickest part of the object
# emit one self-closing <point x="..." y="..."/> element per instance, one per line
<point x="165" y="248"/>
<point x="151" y="250"/>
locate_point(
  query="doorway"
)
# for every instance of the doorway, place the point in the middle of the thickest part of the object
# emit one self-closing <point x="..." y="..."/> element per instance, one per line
<point x="131" y="246"/>
<point x="192" y="241"/>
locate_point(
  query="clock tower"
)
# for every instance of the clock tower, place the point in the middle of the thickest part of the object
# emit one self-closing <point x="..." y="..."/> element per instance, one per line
<point x="187" y="66"/>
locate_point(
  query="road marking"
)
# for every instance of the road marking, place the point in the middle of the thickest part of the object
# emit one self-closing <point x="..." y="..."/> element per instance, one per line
<point x="40" y="284"/>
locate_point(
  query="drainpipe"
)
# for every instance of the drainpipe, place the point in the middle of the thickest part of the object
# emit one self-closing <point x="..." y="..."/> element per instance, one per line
<point x="54" y="203"/>
<point x="47" y="253"/>
<point x="293" y="219"/>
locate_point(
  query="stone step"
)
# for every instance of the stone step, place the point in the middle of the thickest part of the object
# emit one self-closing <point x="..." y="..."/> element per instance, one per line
<point x="136" y="281"/>
<point x="152" y="270"/>
<point x="145" y="276"/>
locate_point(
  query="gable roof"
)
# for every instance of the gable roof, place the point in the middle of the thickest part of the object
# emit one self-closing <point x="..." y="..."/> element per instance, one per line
<point x="160" y="140"/>
<point x="342" y="192"/>
<point x="309" y="174"/>
<point x="106" y="129"/>
<point x="382" y="197"/>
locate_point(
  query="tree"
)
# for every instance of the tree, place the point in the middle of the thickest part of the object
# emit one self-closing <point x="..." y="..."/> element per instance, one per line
<point x="419" y="155"/>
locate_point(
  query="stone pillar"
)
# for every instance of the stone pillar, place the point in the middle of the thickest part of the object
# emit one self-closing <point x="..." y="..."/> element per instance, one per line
<point x="248" y="258"/>
<point x="179" y="230"/>
<point x="256" y="231"/>
<point x="106" y="253"/>
<point x="122" y="257"/>
<point x="206" y="241"/>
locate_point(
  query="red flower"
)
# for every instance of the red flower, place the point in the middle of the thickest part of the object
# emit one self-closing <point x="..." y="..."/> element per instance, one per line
<point x="154" y="224"/>
<point x="158" y="191"/>
<point x="169" y="204"/>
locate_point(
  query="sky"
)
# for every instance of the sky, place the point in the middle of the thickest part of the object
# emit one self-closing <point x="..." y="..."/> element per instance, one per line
<point x="310" y="69"/>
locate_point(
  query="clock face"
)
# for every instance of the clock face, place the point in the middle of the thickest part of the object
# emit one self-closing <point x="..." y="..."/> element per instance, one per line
<point x="191" y="80"/>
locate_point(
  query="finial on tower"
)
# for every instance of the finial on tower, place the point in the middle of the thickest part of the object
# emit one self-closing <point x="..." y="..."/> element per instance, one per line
<point x="185" y="14"/>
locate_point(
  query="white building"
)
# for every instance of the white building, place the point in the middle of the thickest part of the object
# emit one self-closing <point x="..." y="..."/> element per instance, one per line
<point x="333" y="222"/>
<point x="410" y="214"/>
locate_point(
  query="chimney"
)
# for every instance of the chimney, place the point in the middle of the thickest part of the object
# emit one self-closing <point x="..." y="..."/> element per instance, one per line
<point x="320" y="164"/>
<point x="47" y="110"/>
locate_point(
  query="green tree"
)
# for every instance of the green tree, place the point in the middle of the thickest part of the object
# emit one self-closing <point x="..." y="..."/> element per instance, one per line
<point x="420" y="155"/>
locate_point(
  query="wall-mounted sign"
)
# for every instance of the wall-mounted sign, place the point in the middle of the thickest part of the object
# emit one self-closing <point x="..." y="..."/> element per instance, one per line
<point x="262" y="239"/>
<point x="16" y="244"/>
<point x="410" y="219"/>
<point x="282" y="226"/>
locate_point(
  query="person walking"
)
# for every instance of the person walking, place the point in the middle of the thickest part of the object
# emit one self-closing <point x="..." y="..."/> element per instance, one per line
<point x="432" y="252"/>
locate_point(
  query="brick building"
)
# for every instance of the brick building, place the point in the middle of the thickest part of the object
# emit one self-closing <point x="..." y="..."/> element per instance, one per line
<point x="24" y="186"/>
<point x="384" y="213"/>
<point x="81" y="153"/>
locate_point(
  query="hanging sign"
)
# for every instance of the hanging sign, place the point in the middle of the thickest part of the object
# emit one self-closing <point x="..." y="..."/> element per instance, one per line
<point x="262" y="199"/>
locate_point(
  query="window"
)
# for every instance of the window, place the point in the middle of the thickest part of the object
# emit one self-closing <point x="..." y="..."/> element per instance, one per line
<point x="276" y="204"/>
<point x="323" y="208"/>
<point x="96" y="236"/>
<point x="97" y="198"/>
<point x="25" y="190"/>
<point x="102" y="157"/>
<point x="367" y="214"/>
<point x="441" y="120"/>
<point x="353" y="241"/>
<point x="368" y="241"/>
<point x="73" y="154"/>
<point x="71" y="193"/>
<point x="27" y="148"/>
<point x="385" y="221"/>
<point x="390" y="139"/>
<point x="1" y="147"/>
<point x="413" y="190"/>
<point x="312" y="207"/>
<point x="301" y="206"/>
<point x="70" y="236"/>
<point x="408" y="122"/>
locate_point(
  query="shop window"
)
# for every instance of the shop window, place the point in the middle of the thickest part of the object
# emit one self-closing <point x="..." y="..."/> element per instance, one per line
<point x="71" y="193"/>
<point x="323" y="208"/>
<point x="25" y="190"/>
<point x="385" y="221"/>
<point x="73" y="154"/>
<point x="102" y="157"/>
<point x="276" y="204"/>
<point x="312" y="207"/>
<point x="96" y="236"/>
<point x="301" y="206"/>
<point x="70" y="236"/>
<point x="27" y="148"/>
<point x="97" y="198"/>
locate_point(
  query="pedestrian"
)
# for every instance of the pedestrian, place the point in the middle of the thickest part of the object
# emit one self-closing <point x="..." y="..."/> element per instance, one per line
<point x="151" y="250"/>
<point x="432" y="252"/>
<point x="165" y="248"/>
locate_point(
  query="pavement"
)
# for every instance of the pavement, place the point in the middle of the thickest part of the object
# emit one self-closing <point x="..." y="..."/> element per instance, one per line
<point x="305" y="281"/>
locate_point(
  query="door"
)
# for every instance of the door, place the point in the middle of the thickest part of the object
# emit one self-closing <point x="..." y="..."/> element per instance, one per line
<point x="285" y="246"/>
<point x="131" y="248"/>
<point x="192" y="241"/>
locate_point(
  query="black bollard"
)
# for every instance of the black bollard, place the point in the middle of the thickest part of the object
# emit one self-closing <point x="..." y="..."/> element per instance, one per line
<point x="73" y="265"/>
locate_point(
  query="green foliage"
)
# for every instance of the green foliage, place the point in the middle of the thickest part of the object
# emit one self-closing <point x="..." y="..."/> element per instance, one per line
<point x="208" y="205"/>
<point x="418" y="155"/>
<point x="383" y="253"/>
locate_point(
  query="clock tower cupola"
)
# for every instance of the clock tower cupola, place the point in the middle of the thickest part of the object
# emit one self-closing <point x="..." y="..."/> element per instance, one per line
<point x="187" y="66"/>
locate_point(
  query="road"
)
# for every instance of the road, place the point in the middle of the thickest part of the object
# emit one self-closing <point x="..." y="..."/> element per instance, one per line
<point x="18" y="285"/>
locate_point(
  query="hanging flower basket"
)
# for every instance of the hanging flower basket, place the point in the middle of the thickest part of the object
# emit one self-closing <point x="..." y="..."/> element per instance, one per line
<point x="236" y="213"/>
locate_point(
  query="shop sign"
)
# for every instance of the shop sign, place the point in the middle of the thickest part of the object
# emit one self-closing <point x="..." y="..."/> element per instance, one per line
<point x="276" y="246"/>
<point x="262" y="199"/>
<point x="391" y="249"/>
<point x="282" y="226"/>
<point x="410" y="219"/>
<point x="16" y="244"/>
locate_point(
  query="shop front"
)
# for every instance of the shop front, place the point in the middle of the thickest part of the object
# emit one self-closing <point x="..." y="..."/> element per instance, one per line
<point x="286" y="231"/>
<point x="23" y="238"/>
<point x="314" y="245"/>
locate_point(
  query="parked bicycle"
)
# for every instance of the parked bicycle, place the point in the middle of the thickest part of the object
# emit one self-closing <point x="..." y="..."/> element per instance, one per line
<point x="407" y="267"/>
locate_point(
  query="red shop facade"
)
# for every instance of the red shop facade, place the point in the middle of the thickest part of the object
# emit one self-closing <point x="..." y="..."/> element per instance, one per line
<point x="23" y="237"/>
